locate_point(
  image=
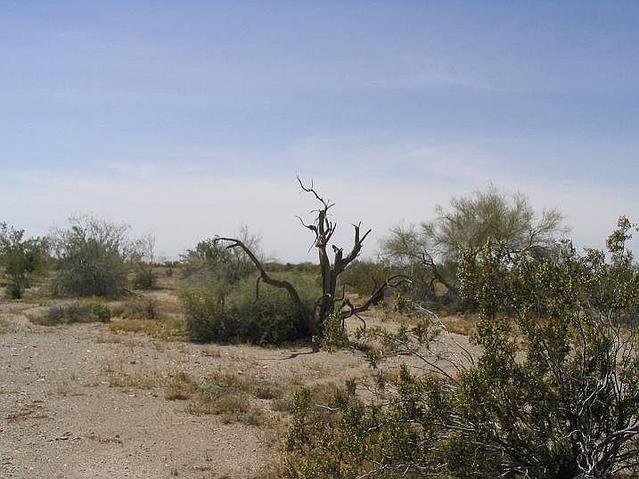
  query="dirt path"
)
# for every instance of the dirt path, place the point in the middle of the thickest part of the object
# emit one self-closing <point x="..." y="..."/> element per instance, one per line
<point x="80" y="401"/>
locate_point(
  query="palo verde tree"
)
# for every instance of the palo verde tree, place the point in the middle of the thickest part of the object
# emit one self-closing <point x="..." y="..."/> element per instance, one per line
<point x="333" y="261"/>
<point x="21" y="258"/>
<point x="464" y="228"/>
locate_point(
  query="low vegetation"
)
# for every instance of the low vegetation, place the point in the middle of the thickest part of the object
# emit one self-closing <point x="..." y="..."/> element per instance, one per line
<point x="303" y="319"/>
<point x="550" y="389"/>
<point x="138" y="309"/>
<point x="21" y="259"/>
<point x="93" y="257"/>
<point x="75" y="312"/>
<point x="5" y="326"/>
<point x="231" y="396"/>
<point x="221" y="314"/>
<point x="554" y="392"/>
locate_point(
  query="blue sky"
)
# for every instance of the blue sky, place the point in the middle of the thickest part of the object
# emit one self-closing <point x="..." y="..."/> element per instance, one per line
<point x="187" y="119"/>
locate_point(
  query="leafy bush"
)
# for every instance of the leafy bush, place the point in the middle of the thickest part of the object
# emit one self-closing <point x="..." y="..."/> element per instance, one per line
<point x="76" y="313"/>
<point x="144" y="277"/>
<point x="363" y="277"/>
<point x="213" y="261"/>
<point x="553" y="393"/>
<point x="221" y="313"/>
<point x="92" y="255"/>
<point x="21" y="258"/>
<point x="334" y="334"/>
<point x="570" y="406"/>
<point x="271" y="319"/>
<point x="337" y="434"/>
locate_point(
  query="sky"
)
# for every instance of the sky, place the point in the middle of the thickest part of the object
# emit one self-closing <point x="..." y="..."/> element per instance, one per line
<point x="189" y="119"/>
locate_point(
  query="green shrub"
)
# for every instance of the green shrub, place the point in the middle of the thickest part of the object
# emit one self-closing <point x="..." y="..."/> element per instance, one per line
<point x="94" y="256"/>
<point x="91" y="258"/>
<point x="210" y="260"/>
<point x="552" y="393"/>
<point x="336" y="434"/>
<point x="75" y="313"/>
<point x="220" y="313"/>
<point x="364" y="277"/>
<point x="144" y="278"/>
<point x="333" y="334"/>
<point x="22" y="259"/>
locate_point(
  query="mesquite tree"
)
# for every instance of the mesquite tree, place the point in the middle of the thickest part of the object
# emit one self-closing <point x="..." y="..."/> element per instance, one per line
<point x="333" y="261"/>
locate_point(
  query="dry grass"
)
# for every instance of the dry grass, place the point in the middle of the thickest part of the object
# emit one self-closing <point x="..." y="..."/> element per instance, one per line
<point x="233" y="397"/>
<point x="28" y="411"/>
<point x="138" y="379"/>
<point x="211" y="352"/>
<point x="105" y="439"/>
<point x="180" y="388"/>
<point x="85" y="311"/>
<point x="6" y="327"/>
<point x="166" y="329"/>
<point x="67" y="387"/>
<point x="170" y="307"/>
<point x="282" y="404"/>
<point x="465" y="325"/>
<point x="274" y="470"/>
<point x="142" y="308"/>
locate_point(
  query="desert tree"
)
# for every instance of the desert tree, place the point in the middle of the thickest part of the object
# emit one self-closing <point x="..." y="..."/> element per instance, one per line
<point x="333" y="261"/>
<point x="465" y="226"/>
<point x="93" y="257"/>
<point x="21" y="258"/>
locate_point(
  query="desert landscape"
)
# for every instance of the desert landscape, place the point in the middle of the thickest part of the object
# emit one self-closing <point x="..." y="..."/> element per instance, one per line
<point x="117" y="399"/>
<point x="319" y="240"/>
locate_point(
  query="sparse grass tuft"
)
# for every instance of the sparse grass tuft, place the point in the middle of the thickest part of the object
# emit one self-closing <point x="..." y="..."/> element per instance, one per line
<point x="465" y="325"/>
<point x="211" y="352"/>
<point x="118" y="377"/>
<point x="231" y="397"/>
<point x="283" y="404"/>
<point x="6" y="326"/>
<point x="133" y="326"/>
<point x="266" y="390"/>
<point x="181" y="387"/>
<point x="166" y="329"/>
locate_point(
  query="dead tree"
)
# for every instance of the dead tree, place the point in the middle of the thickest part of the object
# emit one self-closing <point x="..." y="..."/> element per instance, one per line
<point x="330" y="302"/>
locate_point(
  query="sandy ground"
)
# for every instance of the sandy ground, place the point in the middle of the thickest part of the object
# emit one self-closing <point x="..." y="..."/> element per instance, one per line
<point x="81" y="401"/>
